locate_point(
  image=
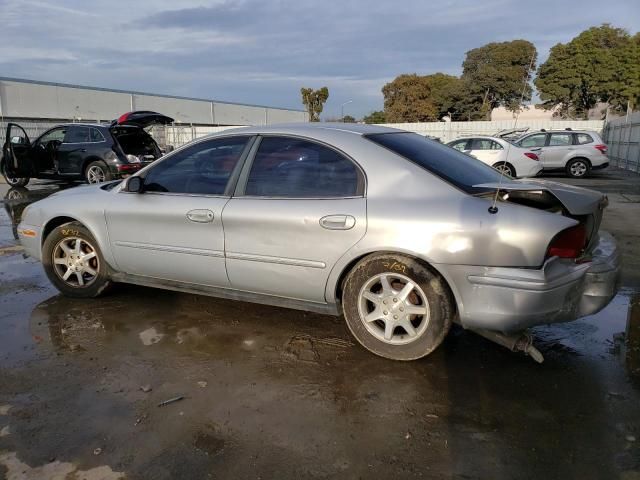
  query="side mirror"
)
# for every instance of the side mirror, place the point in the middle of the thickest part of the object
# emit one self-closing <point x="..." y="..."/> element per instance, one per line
<point x="135" y="185"/>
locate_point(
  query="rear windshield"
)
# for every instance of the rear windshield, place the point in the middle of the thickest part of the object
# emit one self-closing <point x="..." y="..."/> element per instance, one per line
<point x="447" y="163"/>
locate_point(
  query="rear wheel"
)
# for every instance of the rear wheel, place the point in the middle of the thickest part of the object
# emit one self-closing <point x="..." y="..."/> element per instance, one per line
<point x="504" y="167"/>
<point x="578" y="168"/>
<point x="396" y="307"/>
<point x="97" y="172"/>
<point x="11" y="180"/>
<point x="73" y="262"/>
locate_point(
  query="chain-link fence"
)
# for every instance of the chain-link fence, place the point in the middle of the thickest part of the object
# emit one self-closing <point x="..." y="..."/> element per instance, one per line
<point x="622" y="135"/>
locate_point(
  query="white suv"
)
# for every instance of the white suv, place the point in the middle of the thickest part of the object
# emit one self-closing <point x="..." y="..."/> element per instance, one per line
<point x="576" y="152"/>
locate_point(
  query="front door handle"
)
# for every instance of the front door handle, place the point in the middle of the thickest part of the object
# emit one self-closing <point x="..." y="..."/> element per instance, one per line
<point x="200" y="216"/>
<point x="338" y="222"/>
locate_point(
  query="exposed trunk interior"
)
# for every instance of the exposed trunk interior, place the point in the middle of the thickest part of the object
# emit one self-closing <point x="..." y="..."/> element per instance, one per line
<point x="136" y="141"/>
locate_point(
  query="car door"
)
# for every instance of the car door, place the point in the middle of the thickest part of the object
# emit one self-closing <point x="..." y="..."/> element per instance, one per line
<point x="16" y="152"/>
<point x="173" y="230"/>
<point x="299" y="206"/>
<point x="536" y="143"/>
<point x="558" y="149"/>
<point x="72" y="151"/>
<point x="45" y="150"/>
<point x="486" y="150"/>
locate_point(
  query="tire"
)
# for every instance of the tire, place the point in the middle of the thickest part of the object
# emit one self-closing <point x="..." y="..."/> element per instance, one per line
<point x="97" y="172"/>
<point x="506" y="168"/>
<point x="13" y="181"/>
<point x="578" y="168"/>
<point x="81" y="282"/>
<point x="387" y="332"/>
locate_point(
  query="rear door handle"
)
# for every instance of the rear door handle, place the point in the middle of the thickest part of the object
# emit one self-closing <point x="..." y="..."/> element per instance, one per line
<point x="338" y="222"/>
<point x="200" y="216"/>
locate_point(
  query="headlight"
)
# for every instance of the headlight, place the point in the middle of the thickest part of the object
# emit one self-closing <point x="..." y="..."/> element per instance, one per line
<point x="133" y="158"/>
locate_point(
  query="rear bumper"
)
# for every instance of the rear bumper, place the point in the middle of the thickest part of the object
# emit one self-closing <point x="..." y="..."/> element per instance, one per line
<point x="513" y="299"/>
<point x="600" y="167"/>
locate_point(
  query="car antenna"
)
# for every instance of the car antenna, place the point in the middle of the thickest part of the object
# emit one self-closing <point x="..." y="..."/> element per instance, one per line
<point x="493" y="209"/>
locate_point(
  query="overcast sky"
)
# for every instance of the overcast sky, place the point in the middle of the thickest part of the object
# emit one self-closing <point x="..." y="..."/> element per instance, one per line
<point x="262" y="52"/>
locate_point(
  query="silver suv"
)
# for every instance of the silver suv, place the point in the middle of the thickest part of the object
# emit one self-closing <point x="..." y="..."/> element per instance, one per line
<point x="576" y="152"/>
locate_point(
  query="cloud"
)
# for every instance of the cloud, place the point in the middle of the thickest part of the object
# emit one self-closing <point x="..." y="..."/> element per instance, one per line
<point x="263" y="51"/>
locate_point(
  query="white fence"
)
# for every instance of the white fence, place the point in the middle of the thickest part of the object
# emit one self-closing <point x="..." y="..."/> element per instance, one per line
<point x="622" y="135"/>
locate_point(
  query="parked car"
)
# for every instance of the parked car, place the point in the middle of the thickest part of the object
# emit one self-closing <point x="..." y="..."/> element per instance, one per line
<point x="500" y="154"/>
<point x="401" y="234"/>
<point x="576" y="152"/>
<point x="76" y="151"/>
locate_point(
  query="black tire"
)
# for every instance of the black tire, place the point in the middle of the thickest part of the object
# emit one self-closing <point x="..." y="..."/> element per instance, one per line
<point x="70" y="232"/>
<point x="440" y="306"/>
<point x="507" y="167"/>
<point x="13" y="181"/>
<point x="578" y="167"/>
<point x="97" y="167"/>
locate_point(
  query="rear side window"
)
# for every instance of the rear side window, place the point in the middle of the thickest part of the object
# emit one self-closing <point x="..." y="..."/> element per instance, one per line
<point x="460" y="145"/>
<point x="582" y="138"/>
<point x="298" y="168"/>
<point x="560" y="139"/>
<point x="96" y="136"/>
<point x="201" y="169"/>
<point x="457" y="168"/>
<point x="536" y="140"/>
<point x="485" y="144"/>
<point x="77" y="135"/>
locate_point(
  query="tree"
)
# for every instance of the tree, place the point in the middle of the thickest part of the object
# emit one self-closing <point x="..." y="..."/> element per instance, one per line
<point x="348" y="119"/>
<point x="499" y="74"/>
<point x="408" y="99"/>
<point x="375" y="117"/>
<point x="601" y="64"/>
<point x="314" y="101"/>
<point x="446" y="93"/>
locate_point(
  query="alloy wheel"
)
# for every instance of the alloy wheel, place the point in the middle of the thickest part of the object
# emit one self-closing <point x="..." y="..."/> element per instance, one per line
<point x="76" y="262"/>
<point x="578" y="169"/>
<point x="96" y="174"/>
<point x="393" y="308"/>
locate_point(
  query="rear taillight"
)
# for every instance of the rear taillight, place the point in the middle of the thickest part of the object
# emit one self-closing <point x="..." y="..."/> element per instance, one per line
<point x="532" y="156"/>
<point x="569" y="243"/>
<point x="602" y="147"/>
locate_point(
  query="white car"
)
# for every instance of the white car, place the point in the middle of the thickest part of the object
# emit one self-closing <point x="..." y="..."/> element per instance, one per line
<point x="500" y="154"/>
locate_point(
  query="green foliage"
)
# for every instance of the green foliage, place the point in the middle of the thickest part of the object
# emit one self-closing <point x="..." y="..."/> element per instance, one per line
<point x="348" y="119"/>
<point x="495" y="74"/>
<point x="314" y="101"/>
<point x="375" y="117"/>
<point x="408" y="99"/>
<point x="601" y="64"/>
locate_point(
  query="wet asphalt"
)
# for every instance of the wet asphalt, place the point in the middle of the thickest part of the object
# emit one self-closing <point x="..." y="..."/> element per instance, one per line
<point x="265" y="392"/>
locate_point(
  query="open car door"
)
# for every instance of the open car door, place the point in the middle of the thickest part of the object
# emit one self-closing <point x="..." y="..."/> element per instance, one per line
<point x="17" y="152"/>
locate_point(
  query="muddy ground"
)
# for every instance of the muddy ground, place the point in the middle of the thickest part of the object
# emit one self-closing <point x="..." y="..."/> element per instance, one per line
<point x="275" y="393"/>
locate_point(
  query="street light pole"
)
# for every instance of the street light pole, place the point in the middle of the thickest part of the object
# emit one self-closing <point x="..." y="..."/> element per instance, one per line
<point x="342" y="109"/>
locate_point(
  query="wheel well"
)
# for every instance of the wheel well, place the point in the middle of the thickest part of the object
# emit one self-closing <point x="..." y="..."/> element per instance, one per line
<point x="580" y="158"/>
<point x="354" y="262"/>
<point x="508" y="164"/>
<point x="88" y="161"/>
<point x="54" y="223"/>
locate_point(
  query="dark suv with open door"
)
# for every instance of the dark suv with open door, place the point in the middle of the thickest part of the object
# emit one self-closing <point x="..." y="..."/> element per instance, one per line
<point x="76" y="151"/>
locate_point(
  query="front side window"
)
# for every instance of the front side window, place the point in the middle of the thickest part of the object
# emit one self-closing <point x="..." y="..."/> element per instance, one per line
<point x="77" y="135"/>
<point x="457" y="168"/>
<point x="56" y="134"/>
<point x="534" y="141"/>
<point x="297" y="168"/>
<point x="201" y="169"/>
<point x="560" y="139"/>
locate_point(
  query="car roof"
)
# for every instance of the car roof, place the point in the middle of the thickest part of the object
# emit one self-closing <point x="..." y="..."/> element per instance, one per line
<point x="488" y="137"/>
<point x="558" y="131"/>
<point x="311" y="127"/>
<point x="94" y="125"/>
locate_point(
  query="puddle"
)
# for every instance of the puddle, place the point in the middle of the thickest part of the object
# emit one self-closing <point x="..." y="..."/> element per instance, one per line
<point x="150" y="336"/>
<point x="17" y="470"/>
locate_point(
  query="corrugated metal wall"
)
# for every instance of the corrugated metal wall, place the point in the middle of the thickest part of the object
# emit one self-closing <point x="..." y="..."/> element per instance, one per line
<point x="622" y="135"/>
<point x="42" y="100"/>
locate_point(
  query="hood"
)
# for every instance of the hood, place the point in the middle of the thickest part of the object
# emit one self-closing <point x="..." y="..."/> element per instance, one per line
<point x="577" y="200"/>
<point x="142" y="118"/>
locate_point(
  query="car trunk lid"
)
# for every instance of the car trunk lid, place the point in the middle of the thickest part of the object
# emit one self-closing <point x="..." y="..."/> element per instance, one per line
<point x="142" y="119"/>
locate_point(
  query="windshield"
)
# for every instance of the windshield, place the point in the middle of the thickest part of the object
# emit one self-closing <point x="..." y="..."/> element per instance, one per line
<point x="447" y="163"/>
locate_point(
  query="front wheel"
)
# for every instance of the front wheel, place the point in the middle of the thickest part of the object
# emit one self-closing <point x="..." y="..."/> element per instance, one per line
<point x="11" y="180"/>
<point x="73" y="262"/>
<point x="505" y="168"/>
<point x="578" y="168"/>
<point x="397" y="307"/>
<point x="97" y="172"/>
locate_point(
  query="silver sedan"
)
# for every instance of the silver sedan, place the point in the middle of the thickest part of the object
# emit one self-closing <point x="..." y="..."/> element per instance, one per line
<point x="402" y="235"/>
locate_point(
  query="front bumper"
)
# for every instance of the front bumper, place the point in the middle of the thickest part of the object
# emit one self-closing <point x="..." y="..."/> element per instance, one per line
<point x="513" y="299"/>
<point x="30" y="239"/>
